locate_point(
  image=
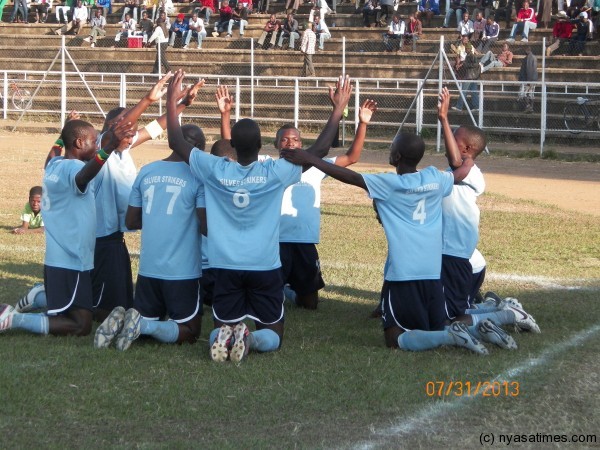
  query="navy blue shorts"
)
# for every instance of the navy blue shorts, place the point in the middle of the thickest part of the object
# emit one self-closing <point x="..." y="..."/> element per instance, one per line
<point x="413" y="305"/>
<point x="112" y="282"/>
<point x="300" y="267"/>
<point x="179" y="299"/>
<point x="207" y="286"/>
<point x="67" y="289"/>
<point x="241" y="294"/>
<point x="477" y="280"/>
<point x="457" y="280"/>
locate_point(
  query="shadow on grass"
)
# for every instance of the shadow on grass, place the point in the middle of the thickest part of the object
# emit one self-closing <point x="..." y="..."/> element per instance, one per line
<point x="353" y="292"/>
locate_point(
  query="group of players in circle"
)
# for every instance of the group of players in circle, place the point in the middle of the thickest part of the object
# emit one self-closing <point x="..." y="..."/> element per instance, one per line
<point x="210" y="223"/>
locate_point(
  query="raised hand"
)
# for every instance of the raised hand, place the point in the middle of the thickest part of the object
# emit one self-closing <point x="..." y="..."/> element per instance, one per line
<point x="175" y="91"/>
<point x="192" y="92"/>
<point x="443" y="104"/>
<point x="341" y="95"/>
<point x="366" y="111"/>
<point x="159" y="89"/>
<point x="119" y="131"/>
<point x="224" y="100"/>
<point x="73" y="115"/>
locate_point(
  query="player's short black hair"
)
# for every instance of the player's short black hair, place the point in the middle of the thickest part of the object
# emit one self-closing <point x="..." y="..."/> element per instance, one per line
<point x="245" y="137"/>
<point x="74" y="129"/>
<point x="475" y="138"/>
<point x="408" y="148"/>
<point x="223" y="147"/>
<point x="112" y="115"/>
<point x="194" y="135"/>
<point x="287" y="126"/>
<point x="36" y="190"/>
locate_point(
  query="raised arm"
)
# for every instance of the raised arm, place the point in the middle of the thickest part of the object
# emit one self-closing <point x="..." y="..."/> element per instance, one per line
<point x="303" y="158"/>
<point x="177" y="142"/>
<point x="224" y="102"/>
<point x="339" y="99"/>
<point x="452" y="152"/>
<point x="118" y="131"/>
<point x="364" y="116"/>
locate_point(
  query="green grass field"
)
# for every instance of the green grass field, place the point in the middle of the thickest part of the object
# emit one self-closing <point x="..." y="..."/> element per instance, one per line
<point x="333" y="384"/>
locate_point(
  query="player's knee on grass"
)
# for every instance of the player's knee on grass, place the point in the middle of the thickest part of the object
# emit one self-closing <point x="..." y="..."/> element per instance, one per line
<point x="75" y="322"/>
<point x="190" y="331"/>
<point x="276" y="327"/>
<point x="308" y="301"/>
<point x="391" y="335"/>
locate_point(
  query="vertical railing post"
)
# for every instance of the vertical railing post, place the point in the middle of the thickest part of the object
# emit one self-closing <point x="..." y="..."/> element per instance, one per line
<point x="543" y="105"/>
<point x="438" y="139"/>
<point x="296" y="102"/>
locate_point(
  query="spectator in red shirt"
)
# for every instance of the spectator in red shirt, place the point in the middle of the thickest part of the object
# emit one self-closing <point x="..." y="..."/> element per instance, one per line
<point x="225" y="15"/>
<point x="526" y="21"/>
<point x="561" y="32"/>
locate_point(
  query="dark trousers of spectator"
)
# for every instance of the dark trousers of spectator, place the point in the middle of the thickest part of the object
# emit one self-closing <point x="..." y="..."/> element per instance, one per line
<point x="576" y="45"/>
<point x="308" y="69"/>
<point x="20" y="6"/>
<point x="387" y="11"/>
<point x="162" y="48"/>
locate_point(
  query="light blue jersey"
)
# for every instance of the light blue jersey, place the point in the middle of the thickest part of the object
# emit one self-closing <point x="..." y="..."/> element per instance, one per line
<point x="243" y="206"/>
<point x="301" y="208"/>
<point x="112" y="189"/>
<point x="410" y="208"/>
<point x="461" y="216"/>
<point x="69" y="216"/>
<point x="169" y="194"/>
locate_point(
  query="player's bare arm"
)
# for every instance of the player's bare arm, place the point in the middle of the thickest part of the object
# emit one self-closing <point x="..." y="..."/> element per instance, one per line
<point x="118" y="131"/>
<point x="460" y="173"/>
<point x="175" y="93"/>
<point x="339" y="97"/>
<point x="342" y="174"/>
<point x="224" y="103"/>
<point x="452" y="152"/>
<point x="133" y="218"/>
<point x="364" y="116"/>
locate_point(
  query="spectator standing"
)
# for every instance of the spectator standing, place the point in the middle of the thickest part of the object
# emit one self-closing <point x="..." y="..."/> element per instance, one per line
<point x="528" y="75"/>
<point x="307" y="46"/>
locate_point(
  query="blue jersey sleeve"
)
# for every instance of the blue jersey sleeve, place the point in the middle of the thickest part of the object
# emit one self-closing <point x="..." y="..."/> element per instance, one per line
<point x="200" y="196"/>
<point x="71" y="171"/>
<point x="378" y="185"/>
<point x="202" y="163"/>
<point x="135" y="198"/>
<point x="287" y="172"/>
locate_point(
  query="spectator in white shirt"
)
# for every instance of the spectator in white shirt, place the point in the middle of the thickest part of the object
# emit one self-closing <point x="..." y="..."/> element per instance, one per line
<point x="393" y="37"/>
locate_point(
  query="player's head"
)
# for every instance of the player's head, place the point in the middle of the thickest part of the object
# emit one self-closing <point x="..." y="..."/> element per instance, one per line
<point x="113" y="116"/>
<point x="79" y="138"/>
<point x="35" y="198"/>
<point x="470" y="140"/>
<point x="194" y="135"/>
<point x="245" y="138"/>
<point x="407" y="149"/>
<point x="288" y="137"/>
<point x="223" y="148"/>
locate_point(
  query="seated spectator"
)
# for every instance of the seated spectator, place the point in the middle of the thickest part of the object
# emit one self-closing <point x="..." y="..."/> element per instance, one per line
<point x="461" y="52"/>
<point x="583" y="32"/>
<point x="41" y="10"/>
<point x="289" y="29"/>
<point x="561" y="32"/>
<point x="392" y="39"/>
<point x="465" y="26"/>
<point x="291" y="6"/>
<point x="428" y="8"/>
<point x="98" y="23"/>
<point x="321" y="8"/>
<point x="239" y="17"/>
<point x="225" y="15"/>
<point x="105" y="6"/>
<point x="128" y="28"/>
<point x="387" y="10"/>
<point x="80" y="15"/>
<point x="370" y="13"/>
<point x="195" y="29"/>
<point x="205" y="9"/>
<point x="177" y="29"/>
<point x="503" y="10"/>
<point x="270" y="29"/>
<point x="457" y="8"/>
<point x="484" y="7"/>
<point x="413" y="32"/>
<point x="575" y="7"/>
<point x="132" y="7"/>
<point x="478" y="29"/>
<point x="490" y="61"/>
<point x="167" y="6"/>
<point x="63" y="12"/>
<point x="31" y="217"/>
<point x="151" y="7"/>
<point x="145" y="26"/>
<point x="322" y="32"/>
<point x="490" y="35"/>
<point x="526" y="21"/>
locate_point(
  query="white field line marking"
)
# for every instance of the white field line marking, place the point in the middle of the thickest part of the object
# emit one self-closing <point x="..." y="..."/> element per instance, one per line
<point x="423" y="419"/>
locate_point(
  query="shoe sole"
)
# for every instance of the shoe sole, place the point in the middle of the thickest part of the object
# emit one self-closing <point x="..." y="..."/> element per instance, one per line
<point x="130" y="331"/>
<point x="219" y="351"/>
<point x="110" y="328"/>
<point x="491" y="333"/>
<point x="239" y="348"/>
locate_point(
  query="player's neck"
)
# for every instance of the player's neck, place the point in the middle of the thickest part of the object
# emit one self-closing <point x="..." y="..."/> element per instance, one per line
<point x="403" y="169"/>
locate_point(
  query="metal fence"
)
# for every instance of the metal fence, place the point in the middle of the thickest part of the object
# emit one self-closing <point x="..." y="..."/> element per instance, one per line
<point x="562" y="112"/>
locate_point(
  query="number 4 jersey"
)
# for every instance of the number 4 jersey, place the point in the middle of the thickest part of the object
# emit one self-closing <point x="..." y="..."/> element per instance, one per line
<point x="169" y="195"/>
<point x="410" y="207"/>
<point x="243" y="207"/>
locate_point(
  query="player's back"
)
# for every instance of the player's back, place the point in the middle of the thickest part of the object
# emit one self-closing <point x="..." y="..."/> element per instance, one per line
<point x="410" y="208"/>
<point x="243" y="206"/>
<point x="169" y="194"/>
